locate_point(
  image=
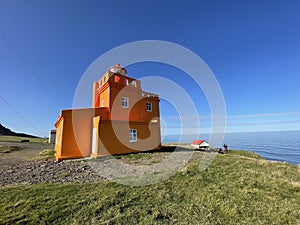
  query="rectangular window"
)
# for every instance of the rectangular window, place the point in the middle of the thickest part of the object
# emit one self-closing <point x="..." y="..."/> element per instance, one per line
<point x="117" y="79"/>
<point x="132" y="135"/>
<point x="126" y="82"/>
<point x="149" y="106"/>
<point x="102" y="103"/>
<point x="125" y="103"/>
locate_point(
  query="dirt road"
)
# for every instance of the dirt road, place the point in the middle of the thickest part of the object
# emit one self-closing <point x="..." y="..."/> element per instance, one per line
<point x="24" y="165"/>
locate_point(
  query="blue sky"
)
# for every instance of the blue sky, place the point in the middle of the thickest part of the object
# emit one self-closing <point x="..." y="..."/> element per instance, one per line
<point x="252" y="47"/>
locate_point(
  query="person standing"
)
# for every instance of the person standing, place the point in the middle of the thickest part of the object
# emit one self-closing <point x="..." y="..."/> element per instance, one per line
<point x="225" y="147"/>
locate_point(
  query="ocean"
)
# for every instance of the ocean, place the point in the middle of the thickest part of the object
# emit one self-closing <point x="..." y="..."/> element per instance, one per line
<point x="274" y="145"/>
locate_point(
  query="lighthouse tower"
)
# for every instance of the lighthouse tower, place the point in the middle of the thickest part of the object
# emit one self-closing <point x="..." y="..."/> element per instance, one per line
<point x="123" y="119"/>
<point x="123" y="97"/>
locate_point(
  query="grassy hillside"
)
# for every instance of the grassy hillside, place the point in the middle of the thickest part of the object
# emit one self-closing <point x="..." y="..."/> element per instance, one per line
<point x="18" y="139"/>
<point x="8" y="132"/>
<point x="237" y="188"/>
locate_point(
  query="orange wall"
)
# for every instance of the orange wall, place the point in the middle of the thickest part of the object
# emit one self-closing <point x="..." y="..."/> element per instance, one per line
<point x="137" y="110"/>
<point x="140" y="112"/>
<point x="112" y="92"/>
<point x="76" y="126"/>
<point x="76" y="129"/>
<point x="114" y="137"/>
<point x="106" y="97"/>
<point x="95" y="88"/>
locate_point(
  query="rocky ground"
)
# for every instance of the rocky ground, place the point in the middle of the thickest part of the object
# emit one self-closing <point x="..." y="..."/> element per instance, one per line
<point x="26" y="166"/>
<point x="45" y="171"/>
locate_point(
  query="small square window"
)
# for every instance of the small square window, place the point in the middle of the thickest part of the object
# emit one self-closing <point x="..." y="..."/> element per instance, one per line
<point x="149" y="106"/>
<point x="117" y="79"/>
<point x="125" y="102"/>
<point x="132" y="135"/>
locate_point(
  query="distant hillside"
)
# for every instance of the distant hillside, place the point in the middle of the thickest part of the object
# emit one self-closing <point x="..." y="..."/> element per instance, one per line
<point x="8" y="132"/>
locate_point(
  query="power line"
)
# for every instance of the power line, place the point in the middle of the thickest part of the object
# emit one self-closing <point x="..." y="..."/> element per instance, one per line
<point x="3" y="36"/>
<point x="21" y="116"/>
<point x="34" y="74"/>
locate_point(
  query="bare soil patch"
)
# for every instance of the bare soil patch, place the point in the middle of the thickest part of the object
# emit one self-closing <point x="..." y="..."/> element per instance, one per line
<point x="25" y="165"/>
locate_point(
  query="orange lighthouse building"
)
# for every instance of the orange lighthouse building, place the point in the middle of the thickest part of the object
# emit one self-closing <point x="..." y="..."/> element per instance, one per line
<point x="123" y="119"/>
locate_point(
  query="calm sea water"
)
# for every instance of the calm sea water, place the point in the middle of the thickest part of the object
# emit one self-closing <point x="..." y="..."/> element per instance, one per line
<point x="275" y="145"/>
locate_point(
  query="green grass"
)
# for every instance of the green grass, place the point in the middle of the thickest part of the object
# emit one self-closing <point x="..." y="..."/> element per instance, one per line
<point x="133" y="156"/>
<point x="243" y="153"/>
<point x="7" y="149"/>
<point x="47" y="154"/>
<point x="237" y="188"/>
<point x="18" y="139"/>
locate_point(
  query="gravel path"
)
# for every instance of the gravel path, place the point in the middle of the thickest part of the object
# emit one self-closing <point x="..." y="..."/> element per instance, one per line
<point x="33" y="172"/>
<point x="22" y="166"/>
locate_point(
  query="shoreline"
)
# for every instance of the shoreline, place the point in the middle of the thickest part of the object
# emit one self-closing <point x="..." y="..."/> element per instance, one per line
<point x="278" y="145"/>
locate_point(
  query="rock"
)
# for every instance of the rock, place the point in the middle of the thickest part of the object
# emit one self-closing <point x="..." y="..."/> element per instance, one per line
<point x="17" y="171"/>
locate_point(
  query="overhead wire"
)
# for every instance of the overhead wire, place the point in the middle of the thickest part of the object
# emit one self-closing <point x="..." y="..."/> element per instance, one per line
<point x="33" y="74"/>
<point x="37" y="78"/>
<point x="21" y="116"/>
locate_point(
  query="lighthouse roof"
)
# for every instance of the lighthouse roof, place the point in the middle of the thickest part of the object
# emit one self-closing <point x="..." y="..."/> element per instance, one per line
<point x="118" y="69"/>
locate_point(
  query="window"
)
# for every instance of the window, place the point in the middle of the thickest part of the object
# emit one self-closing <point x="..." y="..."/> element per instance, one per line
<point x="102" y="103"/>
<point x="133" y="83"/>
<point x="125" y="102"/>
<point x="126" y="82"/>
<point x="149" y="106"/>
<point x="117" y="79"/>
<point x="132" y="135"/>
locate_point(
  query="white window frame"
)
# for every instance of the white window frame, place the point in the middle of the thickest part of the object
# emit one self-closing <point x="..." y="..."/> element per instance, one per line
<point x="125" y="102"/>
<point x="149" y="106"/>
<point x="132" y="135"/>
<point x="102" y="103"/>
<point x="126" y="81"/>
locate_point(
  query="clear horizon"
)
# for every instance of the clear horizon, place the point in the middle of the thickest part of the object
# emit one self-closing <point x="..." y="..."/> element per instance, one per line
<point x="261" y="131"/>
<point x="251" y="47"/>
